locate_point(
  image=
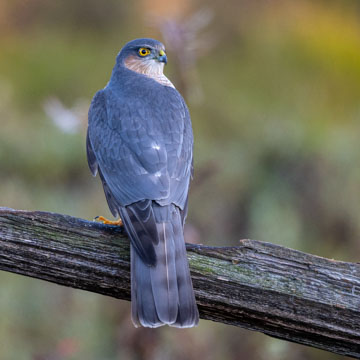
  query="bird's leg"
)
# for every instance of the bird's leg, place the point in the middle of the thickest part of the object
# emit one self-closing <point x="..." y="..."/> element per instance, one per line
<point x="109" y="222"/>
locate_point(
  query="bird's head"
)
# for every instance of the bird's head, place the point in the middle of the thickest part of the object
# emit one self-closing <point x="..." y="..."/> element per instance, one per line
<point x="145" y="56"/>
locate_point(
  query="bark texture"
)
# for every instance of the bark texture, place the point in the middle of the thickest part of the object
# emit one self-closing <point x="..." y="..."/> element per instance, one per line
<point x="257" y="285"/>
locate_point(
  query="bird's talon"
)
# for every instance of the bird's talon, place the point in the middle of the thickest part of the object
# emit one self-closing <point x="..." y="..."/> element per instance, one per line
<point x="106" y="221"/>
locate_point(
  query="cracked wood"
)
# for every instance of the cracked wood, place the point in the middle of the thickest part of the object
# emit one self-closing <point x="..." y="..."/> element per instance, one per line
<point x="257" y="285"/>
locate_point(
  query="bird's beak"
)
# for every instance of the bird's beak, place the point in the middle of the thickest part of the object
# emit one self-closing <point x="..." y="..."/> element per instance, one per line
<point x="162" y="57"/>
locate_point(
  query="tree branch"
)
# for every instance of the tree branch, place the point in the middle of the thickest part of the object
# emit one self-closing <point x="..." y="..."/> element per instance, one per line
<point x="258" y="286"/>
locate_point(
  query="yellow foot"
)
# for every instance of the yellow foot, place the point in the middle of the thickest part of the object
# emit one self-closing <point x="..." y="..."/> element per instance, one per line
<point x="108" y="222"/>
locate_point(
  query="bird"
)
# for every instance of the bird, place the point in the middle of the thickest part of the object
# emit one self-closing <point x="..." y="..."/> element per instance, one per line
<point x="140" y="142"/>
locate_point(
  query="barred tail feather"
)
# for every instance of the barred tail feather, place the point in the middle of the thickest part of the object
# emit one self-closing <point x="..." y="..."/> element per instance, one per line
<point x="163" y="293"/>
<point x="188" y="315"/>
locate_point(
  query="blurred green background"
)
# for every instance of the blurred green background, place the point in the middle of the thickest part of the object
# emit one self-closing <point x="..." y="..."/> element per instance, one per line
<point x="273" y="89"/>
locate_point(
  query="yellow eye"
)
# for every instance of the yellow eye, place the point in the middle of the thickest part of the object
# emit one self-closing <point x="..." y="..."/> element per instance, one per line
<point x="144" y="51"/>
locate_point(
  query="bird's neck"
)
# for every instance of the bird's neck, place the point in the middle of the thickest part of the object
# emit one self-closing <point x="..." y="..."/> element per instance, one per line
<point x="149" y="68"/>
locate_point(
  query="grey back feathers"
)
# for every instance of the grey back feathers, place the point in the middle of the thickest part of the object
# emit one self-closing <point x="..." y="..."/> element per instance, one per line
<point x="140" y="141"/>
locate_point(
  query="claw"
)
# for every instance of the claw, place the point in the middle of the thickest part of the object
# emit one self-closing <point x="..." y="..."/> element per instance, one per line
<point x="108" y="222"/>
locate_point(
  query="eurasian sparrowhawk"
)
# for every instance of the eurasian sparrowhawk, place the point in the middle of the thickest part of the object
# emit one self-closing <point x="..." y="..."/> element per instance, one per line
<point x="140" y="142"/>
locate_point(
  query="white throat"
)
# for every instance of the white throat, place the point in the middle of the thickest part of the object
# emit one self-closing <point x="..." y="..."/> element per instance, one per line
<point x="151" y="68"/>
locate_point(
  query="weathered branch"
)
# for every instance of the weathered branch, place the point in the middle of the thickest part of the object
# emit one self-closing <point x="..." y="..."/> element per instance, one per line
<point x="259" y="286"/>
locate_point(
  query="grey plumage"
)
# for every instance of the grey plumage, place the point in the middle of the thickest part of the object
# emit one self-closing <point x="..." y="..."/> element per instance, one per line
<point x="140" y="141"/>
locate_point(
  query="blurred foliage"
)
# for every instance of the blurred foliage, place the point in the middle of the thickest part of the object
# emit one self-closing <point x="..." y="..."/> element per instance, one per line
<point x="276" y="122"/>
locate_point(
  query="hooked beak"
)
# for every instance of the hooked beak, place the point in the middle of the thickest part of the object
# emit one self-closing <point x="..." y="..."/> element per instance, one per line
<point x="162" y="57"/>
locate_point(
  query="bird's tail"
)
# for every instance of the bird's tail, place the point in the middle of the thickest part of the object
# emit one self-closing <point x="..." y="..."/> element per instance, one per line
<point x="163" y="293"/>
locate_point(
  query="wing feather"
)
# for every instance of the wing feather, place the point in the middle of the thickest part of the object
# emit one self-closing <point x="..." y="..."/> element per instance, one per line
<point x="142" y="148"/>
<point x="143" y="154"/>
